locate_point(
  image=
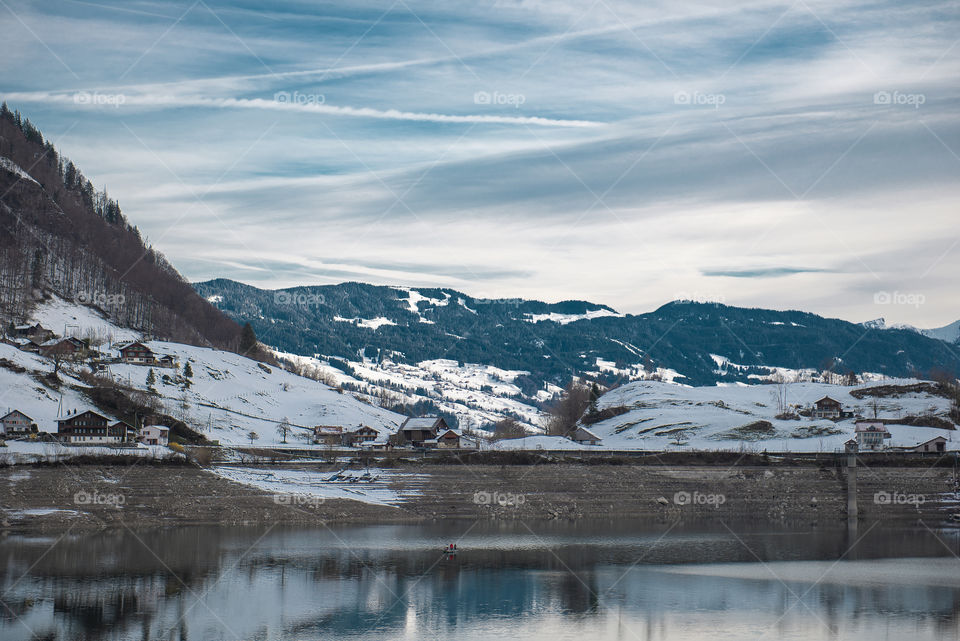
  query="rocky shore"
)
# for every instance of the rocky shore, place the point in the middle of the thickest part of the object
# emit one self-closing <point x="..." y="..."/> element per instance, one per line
<point x="85" y="497"/>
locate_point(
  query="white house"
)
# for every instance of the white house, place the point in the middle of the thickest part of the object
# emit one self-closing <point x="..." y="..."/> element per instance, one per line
<point x="583" y="436"/>
<point x="870" y="435"/>
<point x="155" y="435"/>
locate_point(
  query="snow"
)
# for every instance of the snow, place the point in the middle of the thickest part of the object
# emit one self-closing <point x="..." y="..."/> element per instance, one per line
<point x="563" y="319"/>
<point x="24" y="452"/>
<point x="9" y="165"/>
<point x="216" y="298"/>
<point x="229" y="396"/>
<point x="372" y="323"/>
<point x="69" y="319"/>
<point x="704" y="417"/>
<point x="949" y="333"/>
<point x="540" y="443"/>
<point x="301" y="486"/>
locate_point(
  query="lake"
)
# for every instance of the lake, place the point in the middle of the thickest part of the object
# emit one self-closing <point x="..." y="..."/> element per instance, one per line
<point x="509" y="580"/>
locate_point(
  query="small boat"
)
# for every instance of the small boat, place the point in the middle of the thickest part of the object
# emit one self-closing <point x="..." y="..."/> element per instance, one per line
<point x="451" y="549"/>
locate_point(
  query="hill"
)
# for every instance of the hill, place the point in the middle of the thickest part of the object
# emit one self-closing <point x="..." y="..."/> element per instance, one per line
<point x="60" y="235"/>
<point x="428" y="345"/>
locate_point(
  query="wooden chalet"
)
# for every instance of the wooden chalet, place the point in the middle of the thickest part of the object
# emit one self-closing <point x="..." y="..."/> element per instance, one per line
<point x="17" y="424"/>
<point x="422" y="431"/>
<point x="827" y="407"/>
<point x="136" y="353"/>
<point x="86" y="428"/>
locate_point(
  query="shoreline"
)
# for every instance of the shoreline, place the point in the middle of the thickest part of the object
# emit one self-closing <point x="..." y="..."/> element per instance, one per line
<point x="90" y="497"/>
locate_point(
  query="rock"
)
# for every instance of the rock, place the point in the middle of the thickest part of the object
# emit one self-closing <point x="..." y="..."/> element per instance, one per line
<point x="662" y="500"/>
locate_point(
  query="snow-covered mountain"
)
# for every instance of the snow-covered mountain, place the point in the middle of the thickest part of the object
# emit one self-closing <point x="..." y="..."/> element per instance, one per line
<point x="481" y="359"/>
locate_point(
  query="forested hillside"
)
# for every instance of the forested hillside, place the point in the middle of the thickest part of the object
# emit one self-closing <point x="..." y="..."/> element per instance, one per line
<point x="58" y="234"/>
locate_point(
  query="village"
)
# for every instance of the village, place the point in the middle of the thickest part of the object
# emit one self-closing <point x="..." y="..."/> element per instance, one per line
<point x="76" y="425"/>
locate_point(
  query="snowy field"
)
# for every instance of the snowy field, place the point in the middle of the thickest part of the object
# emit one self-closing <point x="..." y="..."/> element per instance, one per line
<point x="303" y="486"/>
<point x="663" y="416"/>
<point x="25" y="452"/>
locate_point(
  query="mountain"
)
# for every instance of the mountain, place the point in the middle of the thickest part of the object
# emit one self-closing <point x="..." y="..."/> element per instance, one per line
<point x="949" y="333"/>
<point x="371" y="332"/>
<point x="59" y="235"/>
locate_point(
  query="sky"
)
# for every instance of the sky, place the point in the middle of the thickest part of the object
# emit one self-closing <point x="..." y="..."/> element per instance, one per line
<point x="787" y="155"/>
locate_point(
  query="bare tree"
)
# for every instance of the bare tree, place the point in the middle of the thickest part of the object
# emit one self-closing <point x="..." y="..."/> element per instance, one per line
<point x="284" y="428"/>
<point x="568" y="410"/>
<point x="508" y="428"/>
<point x="252" y="436"/>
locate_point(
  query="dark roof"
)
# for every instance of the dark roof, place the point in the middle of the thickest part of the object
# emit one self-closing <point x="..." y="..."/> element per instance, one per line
<point x="828" y="400"/>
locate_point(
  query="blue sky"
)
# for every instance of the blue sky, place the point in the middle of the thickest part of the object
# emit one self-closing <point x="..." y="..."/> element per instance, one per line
<point x="775" y="154"/>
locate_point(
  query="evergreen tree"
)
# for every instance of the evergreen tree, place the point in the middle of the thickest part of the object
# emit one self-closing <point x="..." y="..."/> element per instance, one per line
<point x="248" y="340"/>
<point x="151" y="381"/>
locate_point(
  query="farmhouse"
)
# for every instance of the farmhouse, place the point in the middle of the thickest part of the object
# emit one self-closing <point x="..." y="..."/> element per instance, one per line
<point x="827" y="407"/>
<point x="937" y="444"/>
<point x="155" y="435"/>
<point x="331" y="435"/>
<point x="583" y="436"/>
<point x="36" y="332"/>
<point x="124" y="431"/>
<point x="63" y="347"/>
<point x="136" y="353"/>
<point x="363" y="434"/>
<point x="451" y="439"/>
<point x="870" y="435"/>
<point x="16" y="423"/>
<point x="86" y="428"/>
<point x="422" y="431"/>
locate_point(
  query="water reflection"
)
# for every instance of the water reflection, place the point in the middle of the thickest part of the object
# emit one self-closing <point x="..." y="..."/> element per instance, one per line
<point x="557" y="581"/>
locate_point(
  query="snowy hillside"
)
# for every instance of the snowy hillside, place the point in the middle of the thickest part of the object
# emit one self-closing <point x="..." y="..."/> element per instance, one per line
<point x="663" y="416"/>
<point x="228" y="396"/>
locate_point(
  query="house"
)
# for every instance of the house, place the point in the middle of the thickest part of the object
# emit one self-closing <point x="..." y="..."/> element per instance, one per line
<point x="331" y="435"/>
<point x="421" y="432"/>
<point x="136" y="353"/>
<point x="36" y="332"/>
<point x="583" y="436"/>
<point x="155" y="435"/>
<point x="15" y="424"/>
<point x="167" y="361"/>
<point x="827" y="407"/>
<point x="63" y="347"/>
<point x="26" y="345"/>
<point x="361" y="435"/>
<point x="870" y="435"/>
<point x="451" y="439"/>
<point x="126" y="432"/>
<point x="86" y="428"/>
<point x="850" y="446"/>
<point x="937" y="444"/>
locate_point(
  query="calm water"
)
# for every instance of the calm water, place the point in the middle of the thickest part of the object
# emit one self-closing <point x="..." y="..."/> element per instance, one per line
<point x="585" y="581"/>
